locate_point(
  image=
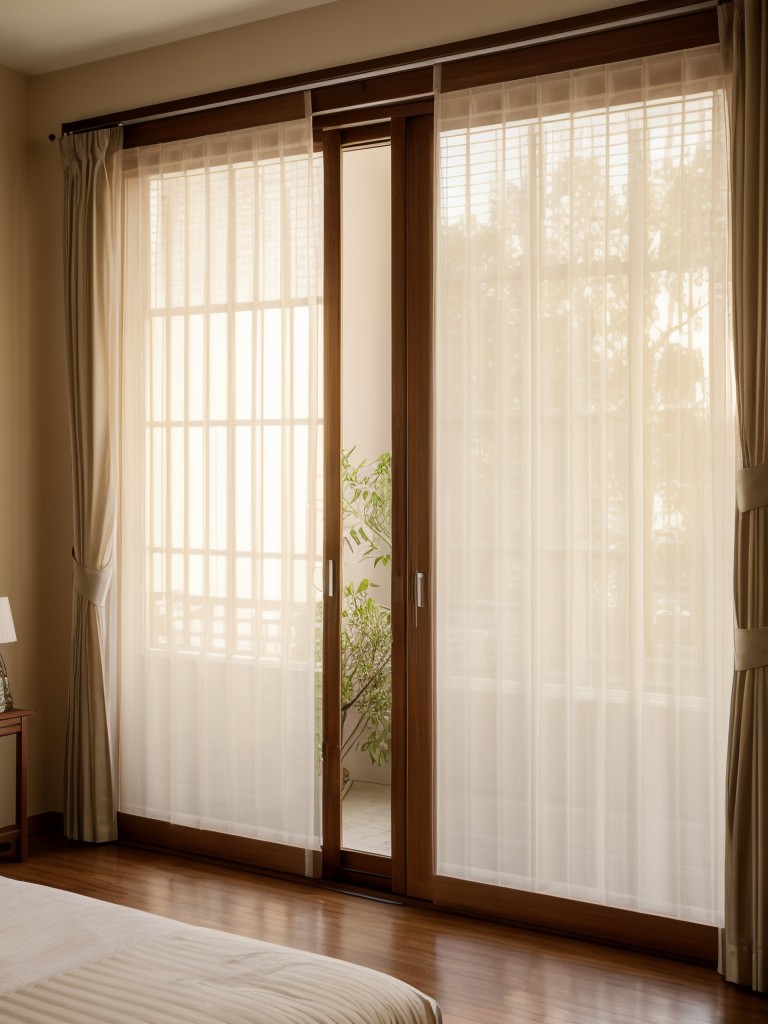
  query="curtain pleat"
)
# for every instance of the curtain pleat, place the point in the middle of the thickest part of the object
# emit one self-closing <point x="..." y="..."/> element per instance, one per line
<point x="222" y="485"/>
<point x="92" y="192"/>
<point x="744" y="939"/>
<point x="584" y="466"/>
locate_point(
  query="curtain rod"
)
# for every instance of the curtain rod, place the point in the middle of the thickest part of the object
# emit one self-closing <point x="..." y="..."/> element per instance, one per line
<point x="381" y="67"/>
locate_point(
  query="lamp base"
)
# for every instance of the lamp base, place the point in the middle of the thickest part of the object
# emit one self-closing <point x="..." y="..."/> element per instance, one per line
<point x="6" y="700"/>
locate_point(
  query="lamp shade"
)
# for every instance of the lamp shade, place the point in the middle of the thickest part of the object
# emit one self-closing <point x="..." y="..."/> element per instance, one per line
<point x="7" y="632"/>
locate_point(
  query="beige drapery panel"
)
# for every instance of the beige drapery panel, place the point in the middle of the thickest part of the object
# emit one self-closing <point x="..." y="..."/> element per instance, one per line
<point x="91" y="172"/>
<point x="744" y="941"/>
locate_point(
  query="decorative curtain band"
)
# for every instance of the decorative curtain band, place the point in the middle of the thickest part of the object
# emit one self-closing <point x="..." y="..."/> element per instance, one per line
<point x="752" y="487"/>
<point x="751" y="648"/>
<point x="92" y="584"/>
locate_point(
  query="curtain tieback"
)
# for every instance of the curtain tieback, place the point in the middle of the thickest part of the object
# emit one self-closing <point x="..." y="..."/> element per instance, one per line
<point x="751" y="648"/>
<point x="92" y="584"/>
<point x="752" y="487"/>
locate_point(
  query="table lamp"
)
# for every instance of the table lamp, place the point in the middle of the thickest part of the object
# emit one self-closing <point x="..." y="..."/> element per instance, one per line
<point x="7" y="636"/>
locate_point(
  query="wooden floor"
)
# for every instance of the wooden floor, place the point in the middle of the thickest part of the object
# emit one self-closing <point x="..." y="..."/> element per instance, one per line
<point x="480" y="973"/>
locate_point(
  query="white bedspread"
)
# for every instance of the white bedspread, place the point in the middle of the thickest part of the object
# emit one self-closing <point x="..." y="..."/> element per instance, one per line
<point x="67" y="959"/>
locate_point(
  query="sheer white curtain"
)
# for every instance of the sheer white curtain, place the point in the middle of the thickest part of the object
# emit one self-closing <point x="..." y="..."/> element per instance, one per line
<point x="585" y="497"/>
<point x="221" y="488"/>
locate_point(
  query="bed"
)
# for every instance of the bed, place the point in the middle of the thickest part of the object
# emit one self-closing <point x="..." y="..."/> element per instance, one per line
<point x="69" y="958"/>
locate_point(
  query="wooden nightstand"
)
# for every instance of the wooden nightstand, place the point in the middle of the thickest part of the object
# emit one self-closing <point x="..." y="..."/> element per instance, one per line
<point x="14" y="723"/>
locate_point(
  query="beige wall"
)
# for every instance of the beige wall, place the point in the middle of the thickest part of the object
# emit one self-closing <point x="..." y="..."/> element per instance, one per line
<point x="36" y="563"/>
<point x="18" y="568"/>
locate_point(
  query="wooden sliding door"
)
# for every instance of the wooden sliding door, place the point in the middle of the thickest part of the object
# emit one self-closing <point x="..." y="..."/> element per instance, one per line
<point x="377" y="676"/>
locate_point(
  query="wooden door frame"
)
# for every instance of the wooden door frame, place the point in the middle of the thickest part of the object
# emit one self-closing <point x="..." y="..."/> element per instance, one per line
<point x="331" y="696"/>
<point x="410" y="870"/>
<point x="364" y="869"/>
<point x="414" y="138"/>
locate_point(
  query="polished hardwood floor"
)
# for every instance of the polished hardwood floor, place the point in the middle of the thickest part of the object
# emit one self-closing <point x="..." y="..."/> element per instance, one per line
<point x="480" y="973"/>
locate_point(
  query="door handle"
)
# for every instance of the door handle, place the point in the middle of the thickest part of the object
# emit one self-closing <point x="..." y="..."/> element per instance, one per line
<point x="331" y="580"/>
<point x="419" y="595"/>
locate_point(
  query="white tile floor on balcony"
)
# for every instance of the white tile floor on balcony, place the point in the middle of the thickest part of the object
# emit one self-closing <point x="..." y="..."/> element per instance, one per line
<point x="367" y="818"/>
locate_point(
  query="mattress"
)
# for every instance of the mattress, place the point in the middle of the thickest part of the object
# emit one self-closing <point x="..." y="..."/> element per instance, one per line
<point x="68" y="958"/>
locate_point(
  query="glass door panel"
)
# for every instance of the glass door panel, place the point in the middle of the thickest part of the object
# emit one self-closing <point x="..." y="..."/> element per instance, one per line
<point x="366" y="500"/>
<point x="377" y="675"/>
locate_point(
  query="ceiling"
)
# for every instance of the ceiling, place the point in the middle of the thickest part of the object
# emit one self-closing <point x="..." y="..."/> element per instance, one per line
<point x="37" y="36"/>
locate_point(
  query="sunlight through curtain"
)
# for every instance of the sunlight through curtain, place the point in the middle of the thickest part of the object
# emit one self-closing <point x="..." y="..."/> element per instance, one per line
<point x="221" y="512"/>
<point x="585" y="497"/>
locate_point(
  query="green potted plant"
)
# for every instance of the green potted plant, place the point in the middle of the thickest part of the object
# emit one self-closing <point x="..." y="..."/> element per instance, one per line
<point x="366" y="634"/>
